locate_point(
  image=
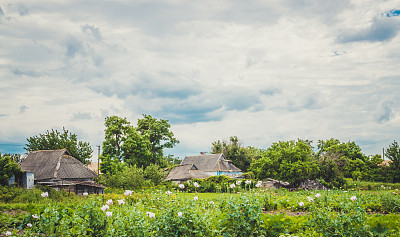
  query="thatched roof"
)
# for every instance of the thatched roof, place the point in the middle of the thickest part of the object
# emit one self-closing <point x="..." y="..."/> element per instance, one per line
<point x="185" y="172"/>
<point x="55" y="164"/>
<point x="211" y="162"/>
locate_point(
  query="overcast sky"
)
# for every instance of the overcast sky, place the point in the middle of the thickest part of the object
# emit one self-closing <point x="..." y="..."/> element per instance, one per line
<point x="264" y="71"/>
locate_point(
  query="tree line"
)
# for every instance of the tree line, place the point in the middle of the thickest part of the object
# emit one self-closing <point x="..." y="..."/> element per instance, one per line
<point x="139" y="149"/>
<point x="331" y="161"/>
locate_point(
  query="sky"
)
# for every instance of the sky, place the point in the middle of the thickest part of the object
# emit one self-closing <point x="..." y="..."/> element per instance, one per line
<point x="264" y="71"/>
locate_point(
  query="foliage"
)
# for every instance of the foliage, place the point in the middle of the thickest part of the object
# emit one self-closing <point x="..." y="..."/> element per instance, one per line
<point x="240" y="156"/>
<point x="8" y="168"/>
<point x="154" y="174"/>
<point x="53" y="140"/>
<point x="393" y="153"/>
<point x="159" y="134"/>
<point x="140" y="146"/>
<point x="288" y="161"/>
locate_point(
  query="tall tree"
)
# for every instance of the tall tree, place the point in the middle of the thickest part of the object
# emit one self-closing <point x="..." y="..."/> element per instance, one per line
<point x="53" y="140"/>
<point x="116" y="132"/>
<point x="159" y="134"/>
<point x="393" y="153"/>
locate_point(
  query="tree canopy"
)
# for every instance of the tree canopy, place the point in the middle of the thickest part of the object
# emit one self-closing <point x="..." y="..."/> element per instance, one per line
<point x="141" y="146"/>
<point x="53" y="140"/>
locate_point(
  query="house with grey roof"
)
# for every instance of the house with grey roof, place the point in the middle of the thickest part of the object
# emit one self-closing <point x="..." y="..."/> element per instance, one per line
<point x="203" y="166"/>
<point x="58" y="169"/>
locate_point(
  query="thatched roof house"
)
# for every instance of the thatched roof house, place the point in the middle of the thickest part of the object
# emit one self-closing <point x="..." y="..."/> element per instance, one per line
<point x="54" y="166"/>
<point x="203" y="166"/>
<point x="185" y="172"/>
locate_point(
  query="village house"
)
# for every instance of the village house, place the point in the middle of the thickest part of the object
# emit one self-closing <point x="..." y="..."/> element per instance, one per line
<point x="59" y="170"/>
<point x="203" y="166"/>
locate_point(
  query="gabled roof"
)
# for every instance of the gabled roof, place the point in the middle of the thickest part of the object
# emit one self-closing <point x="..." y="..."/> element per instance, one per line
<point x="185" y="172"/>
<point x="210" y="162"/>
<point x="55" y="164"/>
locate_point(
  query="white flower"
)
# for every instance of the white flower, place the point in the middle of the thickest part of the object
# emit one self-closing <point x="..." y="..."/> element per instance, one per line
<point x="151" y="214"/>
<point x="345" y="191"/>
<point x="85" y="194"/>
<point x="329" y="190"/>
<point x="45" y="194"/>
<point x="105" y="208"/>
<point x="211" y="202"/>
<point x="109" y="202"/>
<point x="259" y="182"/>
<point x="397" y="189"/>
<point x="8" y="233"/>
<point x="310" y="199"/>
<point x="233" y="186"/>
<point x="35" y="216"/>
<point x="168" y="192"/>
<point x="258" y="185"/>
<point x="317" y="195"/>
<point x="301" y="204"/>
<point x="128" y="193"/>
<point x="196" y="185"/>
<point x="179" y="214"/>
<point x="29" y="225"/>
<point x="121" y="202"/>
<point x="238" y="182"/>
<point x="248" y="181"/>
<point x="196" y="198"/>
<point x="108" y="213"/>
<point x="181" y="186"/>
<point x="353" y="198"/>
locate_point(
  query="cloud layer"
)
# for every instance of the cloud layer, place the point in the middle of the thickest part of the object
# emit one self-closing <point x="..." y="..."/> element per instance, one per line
<point x="265" y="71"/>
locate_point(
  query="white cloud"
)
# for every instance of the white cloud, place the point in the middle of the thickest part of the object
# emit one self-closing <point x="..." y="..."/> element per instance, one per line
<point x="265" y="71"/>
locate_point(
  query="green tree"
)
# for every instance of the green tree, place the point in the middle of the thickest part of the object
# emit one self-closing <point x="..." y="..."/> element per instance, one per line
<point x="53" y="140"/>
<point x="159" y="134"/>
<point x="240" y="156"/>
<point x="8" y="168"/>
<point x="393" y="153"/>
<point x="290" y="161"/>
<point x="115" y="133"/>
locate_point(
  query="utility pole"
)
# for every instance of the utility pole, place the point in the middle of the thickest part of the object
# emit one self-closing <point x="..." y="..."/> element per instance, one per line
<point x="98" y="162"/>
<point x="383" y="153"/>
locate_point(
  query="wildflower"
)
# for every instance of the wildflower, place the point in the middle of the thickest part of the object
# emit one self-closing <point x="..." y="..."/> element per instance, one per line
<point x="317" y="195"/>
<point x="345" y="191"/>
<point x="196" y="185"/>
<point x="196" y="198"/>
<point x="259" y="184"/>
<point x="179" y="214"/>
<point x="108" y="214"/>
<point x="45" y="194"/>
<point x="181" y="186"/>
<point x="329" y="190"/>
<point x="211" y="202"/>
<point x="29" y="225"/>
<point x="232" y="185"/>
<point x="397" y="189"/>
<point x="168" y="192"/>
<point x="353" y="198"/>
<point x="35" y="216"/>
<point x="248" y="182"/>
<point x="8" y="233"/>
<point x="85" y="194"/>
<point x="121" y="202"/>
<point x="238" y="182"/>
<point x="310" y="199"/>
<point x="109" y="202"/>
<point x="151" y="214"/>
<point x="301" y="204"/>
<point x="128" y="193"/>
<point x="105" y="208"/>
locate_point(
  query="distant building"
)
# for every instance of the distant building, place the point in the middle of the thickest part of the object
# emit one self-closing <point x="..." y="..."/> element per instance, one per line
<point x="203" y="166"/>
<point x="58" y="169"/>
